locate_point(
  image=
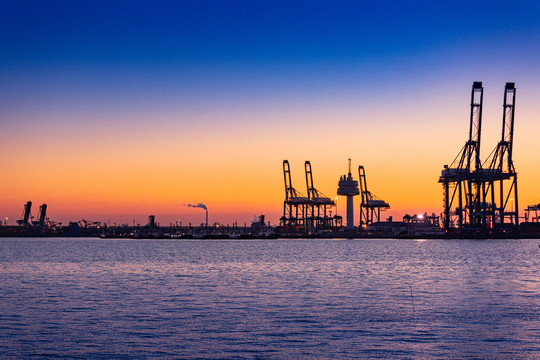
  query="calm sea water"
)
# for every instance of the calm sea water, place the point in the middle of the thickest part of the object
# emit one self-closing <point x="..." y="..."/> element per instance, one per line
<point x="279" y="299"/>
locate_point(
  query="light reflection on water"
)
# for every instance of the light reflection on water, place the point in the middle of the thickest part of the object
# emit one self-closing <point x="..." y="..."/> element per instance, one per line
<point x="270" y="299"/>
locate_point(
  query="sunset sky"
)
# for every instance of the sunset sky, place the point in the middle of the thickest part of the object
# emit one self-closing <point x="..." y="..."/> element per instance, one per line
<point x="113" y="111"/>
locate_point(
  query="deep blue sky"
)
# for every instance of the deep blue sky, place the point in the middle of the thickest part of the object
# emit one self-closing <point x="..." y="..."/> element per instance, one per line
<point x="190" y="33"/>
<point x="256" y="33"/>
<point x="116" y="52"/>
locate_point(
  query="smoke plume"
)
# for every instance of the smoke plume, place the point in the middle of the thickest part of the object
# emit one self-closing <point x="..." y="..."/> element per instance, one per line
<point x="199" y="205"/>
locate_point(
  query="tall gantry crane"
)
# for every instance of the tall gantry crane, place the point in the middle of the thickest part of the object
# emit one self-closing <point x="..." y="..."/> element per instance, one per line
<point x="499" y="168"/>
<point x="26" y="215"/>
<point x="318" y="204"/>
<point x="371" y="206"/>
<point x="461" y="178"/>
<point x="294" y="205"/>
<point x="42" y="215"/>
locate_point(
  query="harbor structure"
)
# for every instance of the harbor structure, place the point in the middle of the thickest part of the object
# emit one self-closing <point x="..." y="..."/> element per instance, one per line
<point x="25" y="217"/>
<point x="531" y="213"/>
<point x="348" y="187"/>
<point x="477" y="197"/>
<point x="460" y="185"/>
<point x="499" y="176"/>
<point x="318" y="205"/>
<point x="306" y="214"/>
<point x="294" y="205"/>
<point x="42" y="216"/>
<point x="371" y="206"/>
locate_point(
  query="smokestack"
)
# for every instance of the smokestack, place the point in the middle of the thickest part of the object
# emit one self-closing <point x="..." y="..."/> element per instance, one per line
<point x="202" y="206"/>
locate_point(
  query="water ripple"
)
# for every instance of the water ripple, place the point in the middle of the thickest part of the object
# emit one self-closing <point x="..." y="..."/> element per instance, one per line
<point x="293" y="299"/>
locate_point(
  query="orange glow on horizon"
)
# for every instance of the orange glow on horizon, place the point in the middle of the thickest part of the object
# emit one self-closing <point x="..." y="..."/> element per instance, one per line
<point x="235" y="167"/>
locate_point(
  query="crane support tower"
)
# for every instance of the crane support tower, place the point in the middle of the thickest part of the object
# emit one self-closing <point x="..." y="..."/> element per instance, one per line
<point x="501" y="213"/>
<point x="25" y="217"/>
<point x="294" y="205"/>
<point x="460" y="180"/>
<point x="371" y="206"/>
<point x="318" y="205"/>
<point x="348" y="187"/>
<point x="42" y="216"/>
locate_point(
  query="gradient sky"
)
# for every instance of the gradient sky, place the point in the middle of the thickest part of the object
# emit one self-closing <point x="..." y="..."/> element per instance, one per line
<point x="113" y="111"/>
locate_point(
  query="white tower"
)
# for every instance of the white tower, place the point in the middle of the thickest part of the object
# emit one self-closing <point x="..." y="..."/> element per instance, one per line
<point x="349" y="188"/>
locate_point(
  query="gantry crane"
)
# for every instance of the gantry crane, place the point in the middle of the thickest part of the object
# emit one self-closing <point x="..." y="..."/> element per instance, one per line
<point x="499" y="168"/>
<point x="294" y="205"/>
<point x="42" y="215"/>
<point x="371" y="206"/>
<point x="461" y="178"/>
<point x="26" y="215"/>
<point x="318" y="204"/>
